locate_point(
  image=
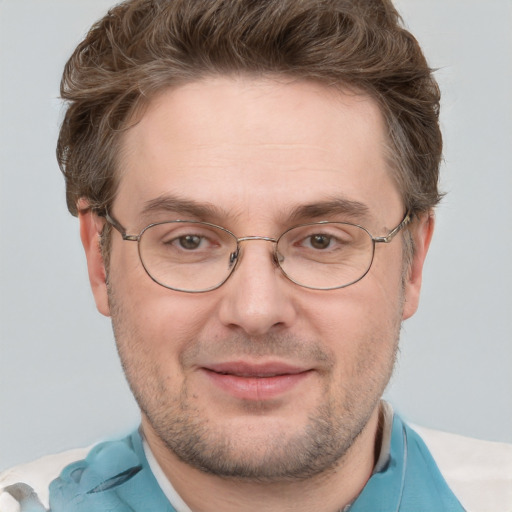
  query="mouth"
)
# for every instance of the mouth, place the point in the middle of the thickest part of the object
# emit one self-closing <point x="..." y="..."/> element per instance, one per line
<point x="257" y="382"/>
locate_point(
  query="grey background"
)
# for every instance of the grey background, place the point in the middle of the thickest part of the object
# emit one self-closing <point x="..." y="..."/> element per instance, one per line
<point x="60" y="382"/>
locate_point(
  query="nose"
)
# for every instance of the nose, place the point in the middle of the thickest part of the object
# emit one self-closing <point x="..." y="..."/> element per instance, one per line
<point x="257" y="297"/>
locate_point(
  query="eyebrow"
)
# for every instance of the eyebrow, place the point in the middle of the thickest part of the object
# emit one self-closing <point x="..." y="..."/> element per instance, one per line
<point x="188" y="208"/>
<point x="334" y="207"/>
<point x="179" y="206"/>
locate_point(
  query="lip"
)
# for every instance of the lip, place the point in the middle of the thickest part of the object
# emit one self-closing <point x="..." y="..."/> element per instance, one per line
<point x="255" y="382"/>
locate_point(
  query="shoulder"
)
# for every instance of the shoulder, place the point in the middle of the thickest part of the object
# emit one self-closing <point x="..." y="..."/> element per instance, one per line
<point x="478" y="472"/>
<point x="112" y="475"/>
<point x="36" y="476"/>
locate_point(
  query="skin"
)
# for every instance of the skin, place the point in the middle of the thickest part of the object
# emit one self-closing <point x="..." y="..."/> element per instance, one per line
<point x="254" y="150"/>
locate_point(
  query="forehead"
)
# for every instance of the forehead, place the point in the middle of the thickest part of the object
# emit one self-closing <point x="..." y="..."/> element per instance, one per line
<point x="256" y="147"/>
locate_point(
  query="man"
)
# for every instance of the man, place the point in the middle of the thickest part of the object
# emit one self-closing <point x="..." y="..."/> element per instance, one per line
<point x="255" y="184"/>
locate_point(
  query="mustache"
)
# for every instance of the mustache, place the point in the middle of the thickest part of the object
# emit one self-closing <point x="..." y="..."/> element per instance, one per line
<point x="241" y="346"/>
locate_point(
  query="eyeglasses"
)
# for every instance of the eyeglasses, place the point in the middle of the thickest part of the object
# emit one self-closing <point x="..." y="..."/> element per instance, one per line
<point x="195" y="257"/>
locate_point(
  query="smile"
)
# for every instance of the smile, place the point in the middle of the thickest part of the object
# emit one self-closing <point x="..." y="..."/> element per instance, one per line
<point x="254" y="381"/>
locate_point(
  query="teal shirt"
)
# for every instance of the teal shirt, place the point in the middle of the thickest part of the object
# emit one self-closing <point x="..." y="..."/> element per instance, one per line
<point x="411" y="480"/>
<point x="116" y="477"/>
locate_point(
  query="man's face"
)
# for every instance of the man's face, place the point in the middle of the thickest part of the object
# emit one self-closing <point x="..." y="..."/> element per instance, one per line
<point x="260" y="378"/>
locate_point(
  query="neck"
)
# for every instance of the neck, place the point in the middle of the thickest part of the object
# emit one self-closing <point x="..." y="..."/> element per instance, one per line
<point x="330" y="491"/>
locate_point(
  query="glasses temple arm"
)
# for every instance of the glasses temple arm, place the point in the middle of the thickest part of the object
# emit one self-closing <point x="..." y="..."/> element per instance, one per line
<point x="116" y="225"/>
<point x="386" y="239"/>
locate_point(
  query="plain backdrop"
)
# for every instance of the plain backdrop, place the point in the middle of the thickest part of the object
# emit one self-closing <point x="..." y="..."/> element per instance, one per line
<point x="60" y="382"/>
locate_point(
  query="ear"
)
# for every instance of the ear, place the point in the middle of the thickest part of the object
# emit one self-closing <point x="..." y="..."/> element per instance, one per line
<point x="421" y="232"/>
<point x="91" y="226"/>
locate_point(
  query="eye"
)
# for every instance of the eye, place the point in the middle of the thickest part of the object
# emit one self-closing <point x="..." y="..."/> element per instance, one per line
<point x="183" y="239"/>
<point x="325" y="241"/>
<point x="327" y="238"/>
<point x="190" y="242"/>
<point x="184" y="242"/>
<point x="320" y="241"/>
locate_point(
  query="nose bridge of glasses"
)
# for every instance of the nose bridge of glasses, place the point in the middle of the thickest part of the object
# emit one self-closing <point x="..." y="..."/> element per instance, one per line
<point x="262" y="238"/>
<point x="236" y="255"/>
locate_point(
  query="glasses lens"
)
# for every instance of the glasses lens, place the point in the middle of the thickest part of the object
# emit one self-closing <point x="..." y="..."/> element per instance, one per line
<point x="326" y="255"/>
<point x="187" y="256"/>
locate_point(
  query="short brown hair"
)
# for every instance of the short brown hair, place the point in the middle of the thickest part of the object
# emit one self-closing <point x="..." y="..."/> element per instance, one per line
<point x="144" y="46"/>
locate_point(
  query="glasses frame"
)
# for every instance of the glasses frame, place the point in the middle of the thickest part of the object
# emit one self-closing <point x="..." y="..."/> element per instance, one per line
<point x="136" y="238"/>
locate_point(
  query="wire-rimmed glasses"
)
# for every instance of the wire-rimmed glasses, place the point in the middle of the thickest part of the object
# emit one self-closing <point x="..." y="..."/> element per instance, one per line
<point x="194" y="256"/>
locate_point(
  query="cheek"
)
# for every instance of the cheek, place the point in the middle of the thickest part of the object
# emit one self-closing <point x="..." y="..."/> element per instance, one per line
<point x="155" y="326"/>
<point x="373" y="304"/>
<point x="360" y="323"/>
